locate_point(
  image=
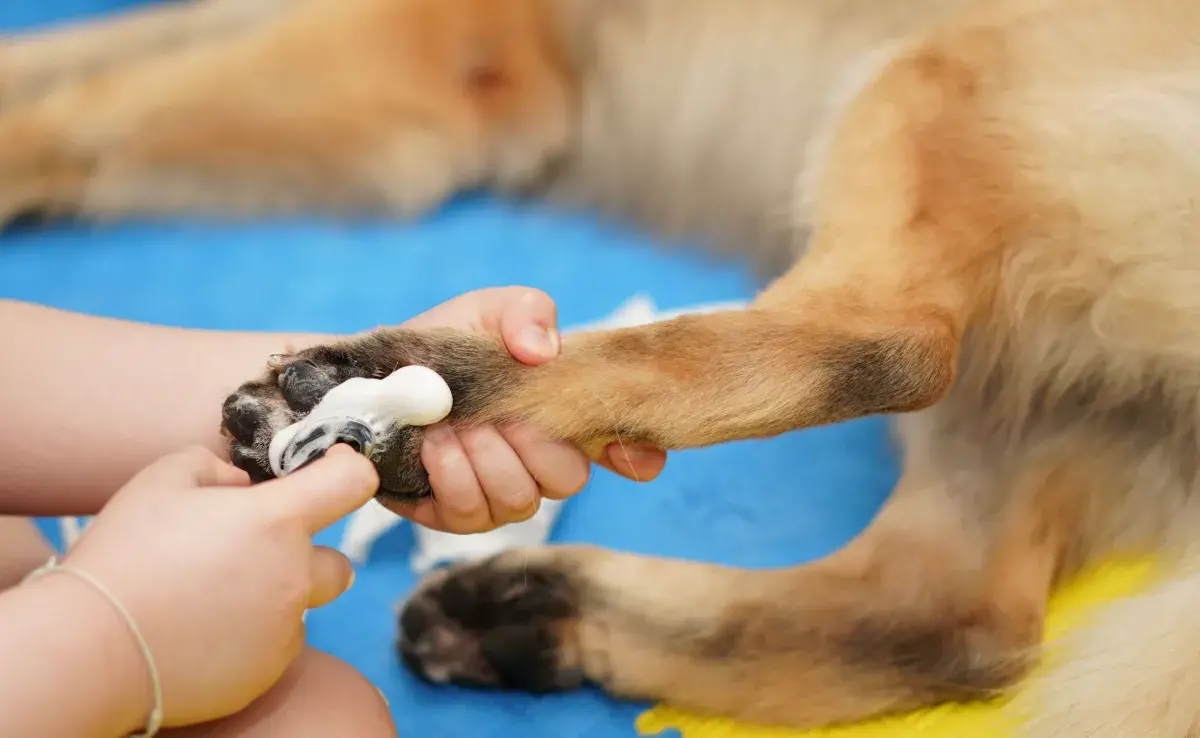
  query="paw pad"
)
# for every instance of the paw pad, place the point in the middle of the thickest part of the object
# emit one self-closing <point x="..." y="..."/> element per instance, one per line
<point x="487" y="625"/>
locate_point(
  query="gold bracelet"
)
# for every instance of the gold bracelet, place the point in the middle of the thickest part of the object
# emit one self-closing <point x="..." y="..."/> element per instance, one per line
<point x="154" y="721"/>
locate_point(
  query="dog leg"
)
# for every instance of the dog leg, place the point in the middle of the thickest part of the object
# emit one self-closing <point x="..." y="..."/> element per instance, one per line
<point x="33" y="64"/>
<point x="869" y="322"/>
<point x="932" y="603"/>
<point x="355" y="106"/>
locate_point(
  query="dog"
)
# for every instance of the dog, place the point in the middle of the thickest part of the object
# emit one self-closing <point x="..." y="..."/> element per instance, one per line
<point x="981" y="217"/>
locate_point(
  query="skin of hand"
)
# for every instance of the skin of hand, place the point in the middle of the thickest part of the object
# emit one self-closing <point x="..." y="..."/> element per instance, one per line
<point x="217" y="576"/>
<point x="486" y="477"/>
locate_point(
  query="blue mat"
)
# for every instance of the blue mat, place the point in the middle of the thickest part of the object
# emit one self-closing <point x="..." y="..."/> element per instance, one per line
<point x="760" y="503"/>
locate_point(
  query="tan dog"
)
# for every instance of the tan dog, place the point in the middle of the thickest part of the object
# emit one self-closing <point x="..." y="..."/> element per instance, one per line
<point x="999" y="201"/>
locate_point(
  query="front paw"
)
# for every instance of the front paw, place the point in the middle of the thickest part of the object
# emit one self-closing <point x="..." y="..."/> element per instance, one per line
<point x="257" y="413"/>
<point x="42" y="174"/>
<point x="503" y="623"/>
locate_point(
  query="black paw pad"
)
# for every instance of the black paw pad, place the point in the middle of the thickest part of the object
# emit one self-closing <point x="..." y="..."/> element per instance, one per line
<point x="242" y="417"/>
<point x="492" y="626"/>
<point x="303" y="384"/>
<point x="33" y="217"/>
<point x="245" y="458"/>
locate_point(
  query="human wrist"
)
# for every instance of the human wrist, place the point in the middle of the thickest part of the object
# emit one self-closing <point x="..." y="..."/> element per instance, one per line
<point x="80" y="651"/>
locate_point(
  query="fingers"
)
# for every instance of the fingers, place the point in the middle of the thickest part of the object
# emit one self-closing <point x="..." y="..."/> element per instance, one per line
<point x="510" y="492"/>
<point x="460" y="504"/>
<point x="332" y="575"/>
<point x="192" y="467"/>
<point x="639" y="463"/>
<point x="325" y="491"/>
<point x="487" y="477"/>
<point x="559" y="469"/>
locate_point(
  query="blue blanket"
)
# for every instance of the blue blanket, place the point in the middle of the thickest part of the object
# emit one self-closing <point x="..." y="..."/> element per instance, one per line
<point x="760" y="503"/>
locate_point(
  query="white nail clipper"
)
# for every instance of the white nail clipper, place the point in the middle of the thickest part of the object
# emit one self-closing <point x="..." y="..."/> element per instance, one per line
<point x="362" y="412"/>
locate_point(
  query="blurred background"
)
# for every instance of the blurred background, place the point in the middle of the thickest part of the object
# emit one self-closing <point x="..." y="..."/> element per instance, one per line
<point x="760" y="503"/>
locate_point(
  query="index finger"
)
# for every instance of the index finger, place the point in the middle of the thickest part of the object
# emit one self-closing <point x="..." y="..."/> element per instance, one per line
<point x="326" y="490"/>
<point x="192" y="467"/>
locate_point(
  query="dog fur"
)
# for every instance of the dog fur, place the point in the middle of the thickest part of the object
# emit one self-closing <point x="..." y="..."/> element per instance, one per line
<point x="989" y="208"/>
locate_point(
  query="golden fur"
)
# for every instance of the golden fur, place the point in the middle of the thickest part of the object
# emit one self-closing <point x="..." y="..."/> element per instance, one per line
<point x="994" y="206"/>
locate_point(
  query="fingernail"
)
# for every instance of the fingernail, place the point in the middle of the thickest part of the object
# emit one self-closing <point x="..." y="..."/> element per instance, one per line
<point x="353" y="576"/>
<point x="540" y="340"/>
<point x="631" y="455"/>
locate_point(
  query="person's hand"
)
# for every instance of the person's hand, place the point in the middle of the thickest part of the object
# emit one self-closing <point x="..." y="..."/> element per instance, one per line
<point x="486" y="477"/>
<point x="218" y="576"/>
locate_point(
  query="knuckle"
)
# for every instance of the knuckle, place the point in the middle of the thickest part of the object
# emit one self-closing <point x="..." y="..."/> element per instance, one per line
<point x="463" y="510"/>
<point x="461" y="505"/>
<point x="449" y="457"/>
<point x="533" y="296"/>
<point x="294" y="592"/>
<point x="527" y="511"/>
<point x="522" y="497"/>
<point x="442" y="461"/>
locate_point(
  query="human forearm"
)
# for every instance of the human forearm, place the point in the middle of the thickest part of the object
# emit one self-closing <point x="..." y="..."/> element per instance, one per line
<point x="22" y="549"/>
<point x="71" y="666"/>
<point x="88" y="401"/>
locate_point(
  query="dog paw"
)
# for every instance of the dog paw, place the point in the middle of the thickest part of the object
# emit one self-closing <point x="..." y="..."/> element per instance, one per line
<point x="499" y="624"/>
<point x="293" y="386"/>
<point x="476" y="369"/>
<point x="42" y="176"/>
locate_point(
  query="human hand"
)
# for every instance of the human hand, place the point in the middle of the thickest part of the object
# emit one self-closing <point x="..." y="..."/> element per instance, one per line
<point x="217" y="576"/>
<point x="486" y="477"/>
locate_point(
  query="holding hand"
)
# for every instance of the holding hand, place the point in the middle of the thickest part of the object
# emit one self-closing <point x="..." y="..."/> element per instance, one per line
<point x="486" y="477"/>
<point x="217" y="576"/>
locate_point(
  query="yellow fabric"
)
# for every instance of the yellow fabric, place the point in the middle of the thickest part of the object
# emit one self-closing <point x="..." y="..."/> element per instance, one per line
<point x="1070" y="606"/>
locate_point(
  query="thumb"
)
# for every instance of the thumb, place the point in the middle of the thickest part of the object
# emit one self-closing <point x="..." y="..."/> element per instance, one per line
<point x="193" y="467"/>
<point x="332" y="575"/>
<point x="529" y="327"/>
<point x="326" y="490"/>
